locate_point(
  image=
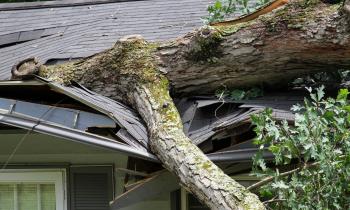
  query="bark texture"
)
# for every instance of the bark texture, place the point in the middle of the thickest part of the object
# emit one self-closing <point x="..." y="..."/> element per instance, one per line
<point x="291" y="41"/>
<point x="294" y="40"/>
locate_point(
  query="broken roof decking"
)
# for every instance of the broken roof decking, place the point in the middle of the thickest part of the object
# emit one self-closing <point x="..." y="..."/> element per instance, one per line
<point x="132" y="127"/>
<point x="201" y="122"/>
<point x="133" y="130"/>
<point x="72" y="118"/>
<point x="198" y="114"/>
<point x="65" y="122"/>
<point x="79" y="31"/>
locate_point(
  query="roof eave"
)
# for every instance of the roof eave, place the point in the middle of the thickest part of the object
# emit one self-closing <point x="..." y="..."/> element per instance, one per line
<point x="74" y="135"/>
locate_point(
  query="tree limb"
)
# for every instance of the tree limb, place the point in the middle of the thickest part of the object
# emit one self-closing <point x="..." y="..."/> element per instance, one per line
<point x="273" y="201"/>
<point x="289" y="42"/>
<point x="287" y="173"/>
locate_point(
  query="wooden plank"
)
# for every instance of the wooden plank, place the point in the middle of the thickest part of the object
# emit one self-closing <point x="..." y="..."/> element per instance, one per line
<point x="131" y="172"/>
<point x="127" y="138"/>
<point x="162" y="182"/>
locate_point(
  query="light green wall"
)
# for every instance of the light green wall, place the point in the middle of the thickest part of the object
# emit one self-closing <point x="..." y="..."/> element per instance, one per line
<point x="161" y="202"/>
<point x="40" y="148"/>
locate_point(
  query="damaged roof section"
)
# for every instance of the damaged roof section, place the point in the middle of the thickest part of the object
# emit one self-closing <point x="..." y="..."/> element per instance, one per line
<point x="123" y="129"/>
<point x="214" y="124"/>
<point x="72" y="118"/>
<point x="222" y="129"/>
<point x="133" y="130"/>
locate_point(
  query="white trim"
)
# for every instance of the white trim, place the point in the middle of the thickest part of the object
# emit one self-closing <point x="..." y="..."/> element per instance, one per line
<point x="38" y="192"/>
<point x="184" y="199"/>
<point x="15" y="195"/>
<point x="56" y="176"/>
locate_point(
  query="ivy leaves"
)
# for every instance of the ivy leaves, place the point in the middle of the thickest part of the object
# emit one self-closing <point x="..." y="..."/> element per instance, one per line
<point x="318" y="147"/>
<point x="219" y="10"/>
<point x="223" y="8"/>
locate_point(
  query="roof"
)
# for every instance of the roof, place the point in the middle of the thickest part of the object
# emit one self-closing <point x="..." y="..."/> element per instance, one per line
<point x="62" y="121"/>
<point x="69" y="31"/>
<point x="62" y="30"/>
<point x="133" y="130"/>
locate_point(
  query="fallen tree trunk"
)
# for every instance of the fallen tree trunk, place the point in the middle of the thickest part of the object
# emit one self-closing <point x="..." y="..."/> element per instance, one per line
<point x="291" y="41"/>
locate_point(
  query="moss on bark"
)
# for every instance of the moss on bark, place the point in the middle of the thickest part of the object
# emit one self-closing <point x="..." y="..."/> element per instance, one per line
<point x="206" y="47"/>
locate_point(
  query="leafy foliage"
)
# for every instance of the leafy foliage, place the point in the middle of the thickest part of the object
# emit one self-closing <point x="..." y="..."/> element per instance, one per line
<point x="223" y="8"/>
<point x="318" y="145"/>
<point x="239" y="94"/>
<point x="331" y="79"/>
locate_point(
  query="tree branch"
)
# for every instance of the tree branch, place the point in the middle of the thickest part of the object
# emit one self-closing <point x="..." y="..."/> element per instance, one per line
<point x="291" y="41"/>
<point x="287" y="173"/>
<point x="273" y="201"/>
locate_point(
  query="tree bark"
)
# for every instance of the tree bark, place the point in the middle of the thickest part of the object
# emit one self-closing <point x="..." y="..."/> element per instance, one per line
<point x="291" y="41"/>
<point x="288" y="42"/>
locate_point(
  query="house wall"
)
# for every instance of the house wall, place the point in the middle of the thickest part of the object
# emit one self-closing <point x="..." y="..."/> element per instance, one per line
<point x="161" y="202"/>
<point x="40" y="148"/>
<point x="43" y="149"/>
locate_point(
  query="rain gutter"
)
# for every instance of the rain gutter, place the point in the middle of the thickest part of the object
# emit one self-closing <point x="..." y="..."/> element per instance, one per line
<point x="73" y="135"/>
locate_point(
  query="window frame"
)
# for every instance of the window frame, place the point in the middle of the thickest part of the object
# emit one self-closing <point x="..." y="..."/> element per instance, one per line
<point x="92" y="169"/>
<point x="56" y="176"/>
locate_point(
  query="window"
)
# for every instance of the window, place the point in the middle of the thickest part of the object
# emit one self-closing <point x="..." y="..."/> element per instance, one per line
<point x="28" y="190"/>
<point x="91" y="187"/>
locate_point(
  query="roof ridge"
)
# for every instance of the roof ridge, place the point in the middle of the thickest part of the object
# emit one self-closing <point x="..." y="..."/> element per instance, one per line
<point x="55" y="4"/>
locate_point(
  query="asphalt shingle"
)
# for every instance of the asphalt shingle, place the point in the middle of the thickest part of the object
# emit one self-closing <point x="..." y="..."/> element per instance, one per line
<point x="80" y="31"/>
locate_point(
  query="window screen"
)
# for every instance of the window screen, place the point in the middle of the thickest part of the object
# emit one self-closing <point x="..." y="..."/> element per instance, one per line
<point x="25" y="196"/>
<point x="92" y="188"/>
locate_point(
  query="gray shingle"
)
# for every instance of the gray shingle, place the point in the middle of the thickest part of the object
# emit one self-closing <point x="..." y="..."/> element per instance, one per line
<point x="9" y="38"/>
<point x="80" y="31"/>
<point x="30" y="35"/>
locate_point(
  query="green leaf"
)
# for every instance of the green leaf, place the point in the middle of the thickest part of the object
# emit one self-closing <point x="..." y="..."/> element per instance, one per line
<point x="328" y="115"/>
<point x="320" y="93"/>
<point x="237" y="95"/>
<point x="313" y="97"/>
<point x="347" y="108"/>
<point x="218" y="5"/>
<point x="266" y="193"/>
<point x="296" y="108"/>
<point x="253" y="93"/>
<point x="274" y="149"/>
<point x="342" y="94"/>
<point x="309" y="89"/>
<point x="280" y="185"/>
